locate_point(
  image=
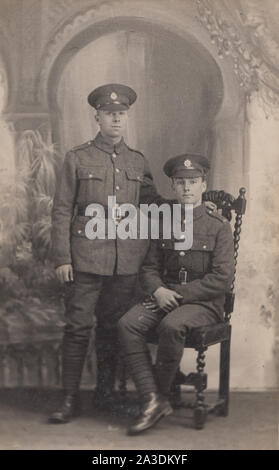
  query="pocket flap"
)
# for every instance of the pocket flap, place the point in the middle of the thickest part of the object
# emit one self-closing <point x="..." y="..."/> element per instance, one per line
<point x="134" y="174"/>
<point x="203" y="244"/>
<point x="94" y="172"/>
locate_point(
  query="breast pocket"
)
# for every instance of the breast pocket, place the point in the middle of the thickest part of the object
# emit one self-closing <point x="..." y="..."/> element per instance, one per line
<point x="90" y="183"/>
<point x="134" y="177"/>
<point x="201" y="254"/>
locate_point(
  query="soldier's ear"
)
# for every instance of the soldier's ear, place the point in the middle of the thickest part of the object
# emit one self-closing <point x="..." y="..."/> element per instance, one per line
<point x="204" y="185"/>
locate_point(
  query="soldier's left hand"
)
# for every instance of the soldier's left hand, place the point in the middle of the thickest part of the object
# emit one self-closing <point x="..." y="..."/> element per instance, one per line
<point x="167" y="299"/>
<point x="151" y="304"/>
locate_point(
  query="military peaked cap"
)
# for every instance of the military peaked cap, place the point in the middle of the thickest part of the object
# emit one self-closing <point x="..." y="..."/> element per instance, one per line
<point x="189" y="165"/>
<point x="112" y="97"/>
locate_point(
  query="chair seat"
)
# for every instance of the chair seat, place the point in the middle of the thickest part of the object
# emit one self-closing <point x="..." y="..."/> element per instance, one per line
<point x="201" y="337"/>
<point x="205" y="336"/>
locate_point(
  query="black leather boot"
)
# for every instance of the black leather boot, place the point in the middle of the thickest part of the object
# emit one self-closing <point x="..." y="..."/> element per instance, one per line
<point x="68" y="410"/>
<point x="73" y="357"/>
<point x="154" y="408"/>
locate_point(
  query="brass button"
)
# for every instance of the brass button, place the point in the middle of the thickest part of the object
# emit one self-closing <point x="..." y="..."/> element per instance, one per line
<point x="117" y="188"/>
<point x="90" y="175"/>
<point x="163" y="244"/>
<point x="113" y="155"/>
<point x="182" y="253"/>
<point x="79" y="231"/>
<point x="138" y="178"/>
<point x="117" y="170"/>
<point x="204" y="247"/>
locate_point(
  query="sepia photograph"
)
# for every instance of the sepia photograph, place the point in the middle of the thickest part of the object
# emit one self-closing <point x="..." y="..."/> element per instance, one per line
<point x="139" y="227"/>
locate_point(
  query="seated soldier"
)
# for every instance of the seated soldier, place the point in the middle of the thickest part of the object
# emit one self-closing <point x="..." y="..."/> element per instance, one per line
<point x="187" y="290"/>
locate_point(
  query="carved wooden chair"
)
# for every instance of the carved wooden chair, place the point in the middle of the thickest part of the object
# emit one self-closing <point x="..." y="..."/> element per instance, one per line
<point x="203" y="337"/>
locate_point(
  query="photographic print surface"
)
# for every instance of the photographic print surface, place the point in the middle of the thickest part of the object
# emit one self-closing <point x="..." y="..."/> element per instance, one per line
<point x="206" y="76"/>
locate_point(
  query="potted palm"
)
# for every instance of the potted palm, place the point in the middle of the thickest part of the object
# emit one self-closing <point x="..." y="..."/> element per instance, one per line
<point x="31" y="303"/>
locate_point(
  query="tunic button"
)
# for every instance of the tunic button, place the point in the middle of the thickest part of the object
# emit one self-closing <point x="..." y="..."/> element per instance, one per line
<point x="182" y="253"/>
<point x="163" y="244"/>
<point x="117" y="188"/>
<point x="79" y="231"/>
<point x="204" y="247"/>
<point x="138" y="178"/>
<point x="117" y="170"/>
<point x="90" y="175"/>
<point x="113" y="155"/>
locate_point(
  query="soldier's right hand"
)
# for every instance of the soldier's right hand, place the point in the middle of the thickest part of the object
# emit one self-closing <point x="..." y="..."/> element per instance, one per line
<point x="167" y="299"/>
<point x="65" y="273"/>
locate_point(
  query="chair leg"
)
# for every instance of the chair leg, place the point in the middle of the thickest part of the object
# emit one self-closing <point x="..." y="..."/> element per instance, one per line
<point x="175" y="395"/>
<point x="200" y="412"/>
<point x="224" y="381"/>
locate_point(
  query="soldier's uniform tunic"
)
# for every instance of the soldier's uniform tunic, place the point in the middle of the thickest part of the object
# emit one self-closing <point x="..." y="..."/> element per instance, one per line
<point x="201" y="275"/>
<point x="90" y="174"/>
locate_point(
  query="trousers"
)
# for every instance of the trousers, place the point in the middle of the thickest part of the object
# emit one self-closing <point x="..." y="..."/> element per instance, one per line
<point x="170" y="330"/>
<point x="92" y="299"/>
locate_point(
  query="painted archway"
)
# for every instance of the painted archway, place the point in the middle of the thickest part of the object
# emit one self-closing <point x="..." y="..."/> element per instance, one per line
<point x="179" y="86"/>
<point x="85" y="27"/>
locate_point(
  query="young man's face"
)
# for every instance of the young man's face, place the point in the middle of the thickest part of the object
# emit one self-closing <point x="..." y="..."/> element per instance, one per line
<point x="112" y="123"/>
<point x="189" y="190"/>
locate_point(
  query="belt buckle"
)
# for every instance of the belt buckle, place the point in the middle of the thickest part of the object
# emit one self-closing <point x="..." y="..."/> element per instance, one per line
<point x="116" y="214"/>
<point x="182" y="276"/>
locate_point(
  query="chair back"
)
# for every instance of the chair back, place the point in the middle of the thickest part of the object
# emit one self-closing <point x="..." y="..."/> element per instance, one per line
<point x="226" y="204"/>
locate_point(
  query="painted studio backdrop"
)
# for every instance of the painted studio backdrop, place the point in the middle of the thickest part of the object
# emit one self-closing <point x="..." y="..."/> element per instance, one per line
<point x="207" y="80"/>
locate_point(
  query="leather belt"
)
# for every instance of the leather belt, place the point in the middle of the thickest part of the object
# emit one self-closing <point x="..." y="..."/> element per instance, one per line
<point x="178" y="277"/>
<point x="117" y="214"/>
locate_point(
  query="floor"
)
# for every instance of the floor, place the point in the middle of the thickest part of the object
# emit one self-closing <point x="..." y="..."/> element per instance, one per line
<point x="251" y="424"/>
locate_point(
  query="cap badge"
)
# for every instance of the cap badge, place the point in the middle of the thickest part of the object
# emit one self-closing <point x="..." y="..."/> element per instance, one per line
<point x="188" y="164"/>
<point x="113" y="96"/>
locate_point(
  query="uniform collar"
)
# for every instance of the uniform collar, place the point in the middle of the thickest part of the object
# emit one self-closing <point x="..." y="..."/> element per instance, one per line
<point x="199" y="211"/>
<point x="101" y="143"/>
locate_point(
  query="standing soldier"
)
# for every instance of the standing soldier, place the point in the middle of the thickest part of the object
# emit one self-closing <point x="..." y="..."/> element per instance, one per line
<point x="102" y="271"/>
<point x="187" y="290"/>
